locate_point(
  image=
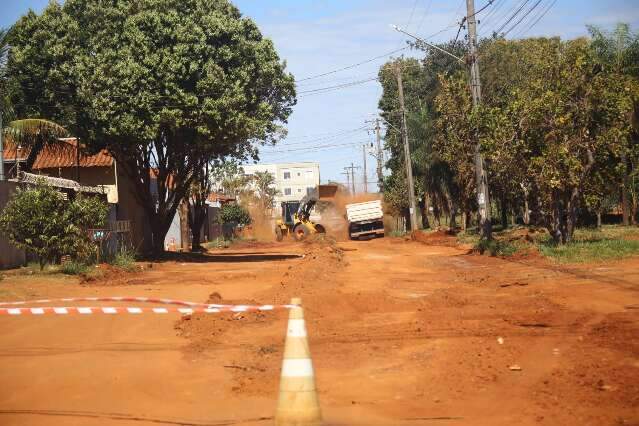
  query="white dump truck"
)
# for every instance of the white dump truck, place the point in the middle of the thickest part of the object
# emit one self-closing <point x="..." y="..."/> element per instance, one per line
<point x="365" y="219"/>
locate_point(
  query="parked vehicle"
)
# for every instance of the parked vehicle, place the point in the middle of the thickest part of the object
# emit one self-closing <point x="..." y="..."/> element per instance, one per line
<point x="365" y="219"/>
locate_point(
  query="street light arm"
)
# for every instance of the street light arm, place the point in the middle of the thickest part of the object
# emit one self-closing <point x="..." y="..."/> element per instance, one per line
<point x="426" y="43"/>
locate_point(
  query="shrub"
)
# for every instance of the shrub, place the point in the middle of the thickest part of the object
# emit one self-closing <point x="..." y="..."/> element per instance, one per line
<point x="234" y="213"/>
<point x="125" y="259"/>
<point x="74" y="268"/>
<point x="42" y="222"/>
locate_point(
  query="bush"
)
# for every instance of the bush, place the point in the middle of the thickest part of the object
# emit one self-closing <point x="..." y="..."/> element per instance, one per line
<point x="234" y="213"/>
<point x="125" y="259"/>
<point x="495" y="247"/>
<point x="74" y="268"/>
<point x="42" y="222"/>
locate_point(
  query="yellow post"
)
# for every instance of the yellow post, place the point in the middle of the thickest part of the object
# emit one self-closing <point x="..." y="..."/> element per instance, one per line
<point x="298" y="404"/>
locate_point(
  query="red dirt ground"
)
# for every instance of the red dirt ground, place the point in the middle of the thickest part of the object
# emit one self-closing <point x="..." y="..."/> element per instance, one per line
<point x="401" y="332"/>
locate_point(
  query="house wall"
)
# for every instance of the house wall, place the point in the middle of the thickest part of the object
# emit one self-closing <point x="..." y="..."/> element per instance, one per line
<point x="10" y="256"/>
<point x="129" y="208"/>
<point x="89" y="176"/>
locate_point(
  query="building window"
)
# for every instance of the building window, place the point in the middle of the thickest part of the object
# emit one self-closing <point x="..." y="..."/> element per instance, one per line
<point x="299" y="189"/>
<point x="309" y="190"/>
<point x="287" y="191"/>
<point x="287" y="175"/>
<point x="299" y="174"/>
<point x="309" y="175"/>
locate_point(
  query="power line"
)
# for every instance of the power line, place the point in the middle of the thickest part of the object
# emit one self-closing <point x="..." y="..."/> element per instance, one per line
<point x="352" y="66"/>
<point x="335" y="88"/>
<point x="539" y="17"/>
<point x="522" y="18"/>
<point x="509" y="20"/>
<point x="426" y="10"/>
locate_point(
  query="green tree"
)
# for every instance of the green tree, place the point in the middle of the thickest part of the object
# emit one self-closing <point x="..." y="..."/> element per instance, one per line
<point x="42" y="222"/>
<point x="265" y="191"/>
<point x="28" y="133"/>
<point x="165" y="86"/>
<point x="618" y="53"/>
<point x="235" y="214"/>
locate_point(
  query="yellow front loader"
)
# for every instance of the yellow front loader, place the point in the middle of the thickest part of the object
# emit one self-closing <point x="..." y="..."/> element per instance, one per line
<point x="295" y="218"/>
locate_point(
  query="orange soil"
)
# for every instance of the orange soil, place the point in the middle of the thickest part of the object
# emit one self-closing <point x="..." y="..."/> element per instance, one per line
<point x="401" y="332"/>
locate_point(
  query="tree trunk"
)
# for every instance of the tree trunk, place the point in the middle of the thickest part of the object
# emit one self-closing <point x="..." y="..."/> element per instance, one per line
<point x="504" y="211"/>
<point x="625" y="189"/>
<point x="513" y="217"/>
<point x="464" y="220"/>
<point x="197" y="216"/>
<point x="599" y="220"/>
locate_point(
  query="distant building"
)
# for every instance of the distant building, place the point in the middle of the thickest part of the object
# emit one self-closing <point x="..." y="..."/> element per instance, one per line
<point x="292" y="180"/>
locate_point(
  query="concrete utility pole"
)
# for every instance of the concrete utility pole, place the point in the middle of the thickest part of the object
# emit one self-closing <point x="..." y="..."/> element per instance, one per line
<point x="348" y="176"/>
<point x="351" y="169"/>
<point x="365" y="171"/>
<point x="407" y="160"/>
<point x="380" y="157"/>
<point x="483" y="200"/>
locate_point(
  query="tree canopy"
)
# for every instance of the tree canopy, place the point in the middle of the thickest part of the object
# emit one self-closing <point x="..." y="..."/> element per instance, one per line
<point x="165" y="86"/>
<point x="557" y="126"/>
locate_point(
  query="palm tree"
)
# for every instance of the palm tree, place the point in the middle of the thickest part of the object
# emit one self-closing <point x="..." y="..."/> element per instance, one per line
<point x="619" y="52"/>
<point x="31" y="133"/>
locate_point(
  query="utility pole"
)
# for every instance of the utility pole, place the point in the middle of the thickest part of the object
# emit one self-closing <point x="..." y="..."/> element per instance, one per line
<point x="483" y="200"/>
<point x="380" y="157"/>
<point x="407" y="160"/>
<point x="365" y="171"/>
<point x="350" y="173"/>
<point x="348" y="177"/>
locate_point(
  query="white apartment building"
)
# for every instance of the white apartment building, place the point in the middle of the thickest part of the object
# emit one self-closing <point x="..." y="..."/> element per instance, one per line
<point x="292" y="180"/>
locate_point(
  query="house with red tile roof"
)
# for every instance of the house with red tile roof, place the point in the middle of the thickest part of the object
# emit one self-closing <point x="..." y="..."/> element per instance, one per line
<point x="63" y="159"/>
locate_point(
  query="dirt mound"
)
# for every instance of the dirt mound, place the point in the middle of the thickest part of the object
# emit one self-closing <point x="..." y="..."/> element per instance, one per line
<point x="435" y="238"/>
<point x="109" y="275"/>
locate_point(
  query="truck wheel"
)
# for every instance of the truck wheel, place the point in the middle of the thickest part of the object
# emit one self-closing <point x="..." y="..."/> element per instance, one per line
<point x="300" y="232"/>
<point x="279" y="236"/>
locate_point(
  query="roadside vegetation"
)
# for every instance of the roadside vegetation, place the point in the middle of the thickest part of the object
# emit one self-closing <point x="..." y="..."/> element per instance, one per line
<point x="558" y="128"/>
<point x="610" y="242"/>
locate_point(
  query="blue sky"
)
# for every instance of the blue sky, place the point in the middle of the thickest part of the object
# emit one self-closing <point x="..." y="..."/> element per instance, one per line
<point x="317" y="36"/>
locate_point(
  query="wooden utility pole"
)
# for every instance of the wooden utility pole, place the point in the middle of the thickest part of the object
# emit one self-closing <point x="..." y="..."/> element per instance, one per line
<point x="481" y="177"/>
<point x="365" y="170"/>
<point x="407" y="160"/>
<point x="380" y="157"/>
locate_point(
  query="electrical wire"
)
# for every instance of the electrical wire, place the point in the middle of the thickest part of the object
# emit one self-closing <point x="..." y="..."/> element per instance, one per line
<point x="539" y="17"/>
<point x="352" y="66"/>
<point x="426" y="11"/>
<point x="509" y="20"/>
<point x="522" y="18"/>
<point x="329" y="89"/>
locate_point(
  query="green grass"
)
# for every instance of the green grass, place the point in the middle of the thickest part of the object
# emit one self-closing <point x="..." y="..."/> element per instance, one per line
<point x="592" y="245"/>
<point x="74" y="268"/>
<point x="589" y="244"/>
<point x="125" y="260"/>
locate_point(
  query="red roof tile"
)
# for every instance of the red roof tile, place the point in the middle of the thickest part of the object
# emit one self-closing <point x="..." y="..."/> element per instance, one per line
<point x="59" y="154"/>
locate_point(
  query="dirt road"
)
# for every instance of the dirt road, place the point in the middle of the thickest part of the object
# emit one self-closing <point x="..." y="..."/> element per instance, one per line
<point x="402" y="333"/>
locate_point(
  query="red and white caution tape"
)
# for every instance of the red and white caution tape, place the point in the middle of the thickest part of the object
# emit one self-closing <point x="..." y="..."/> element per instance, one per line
<point x="232" y="308"/>
<point x="110" y="310"/>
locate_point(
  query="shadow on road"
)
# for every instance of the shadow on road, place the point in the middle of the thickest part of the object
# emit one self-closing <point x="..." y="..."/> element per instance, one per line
<point x="225" y="257"/>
